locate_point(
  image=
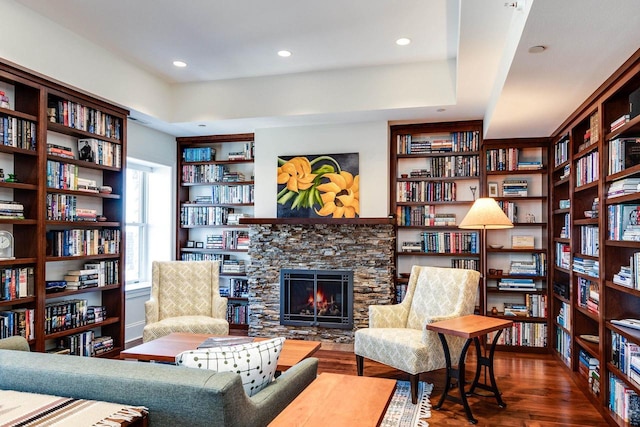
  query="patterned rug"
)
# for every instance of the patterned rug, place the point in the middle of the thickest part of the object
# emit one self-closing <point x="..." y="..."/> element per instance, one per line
<point x="402" y="413"/>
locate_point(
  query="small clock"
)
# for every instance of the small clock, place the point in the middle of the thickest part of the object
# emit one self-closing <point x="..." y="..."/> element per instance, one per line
<point x="6" y="245"/>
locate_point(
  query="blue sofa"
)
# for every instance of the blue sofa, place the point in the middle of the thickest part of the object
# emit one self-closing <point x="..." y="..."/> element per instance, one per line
<point x="175" y="396"/>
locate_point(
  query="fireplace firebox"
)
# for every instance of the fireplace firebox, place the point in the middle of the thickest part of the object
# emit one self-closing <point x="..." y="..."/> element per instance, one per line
<point x="321" y="298"/>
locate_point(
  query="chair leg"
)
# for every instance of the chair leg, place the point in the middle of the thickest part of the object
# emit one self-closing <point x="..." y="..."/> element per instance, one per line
<point x="413" y="379"/>
<point x="360" y="365"/>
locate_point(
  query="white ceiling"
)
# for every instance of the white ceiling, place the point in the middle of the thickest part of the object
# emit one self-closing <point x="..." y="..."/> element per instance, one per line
<point x="518" y="94"/>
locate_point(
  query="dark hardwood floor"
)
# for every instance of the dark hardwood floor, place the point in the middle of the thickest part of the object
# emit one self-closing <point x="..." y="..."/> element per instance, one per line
<point x="538" y="391"/>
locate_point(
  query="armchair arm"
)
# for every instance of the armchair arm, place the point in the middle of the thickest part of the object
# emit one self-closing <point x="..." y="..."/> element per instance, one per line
<point x="151" y="311"/>
<point x="16" y="342"/>
<point x="219" y="308"/>
<point x="427" y="334"/>
<point x="388" y="316"/>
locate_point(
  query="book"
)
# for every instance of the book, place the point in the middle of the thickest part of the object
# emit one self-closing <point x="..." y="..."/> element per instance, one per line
<point x="627" y="323"/>
<point x="213" y="342"/>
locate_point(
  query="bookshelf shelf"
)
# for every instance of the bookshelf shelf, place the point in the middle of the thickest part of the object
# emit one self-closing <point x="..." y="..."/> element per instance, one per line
<point x="205" y="186"/>
<point x="53" y="117"/>
<point x="106" y="322"/>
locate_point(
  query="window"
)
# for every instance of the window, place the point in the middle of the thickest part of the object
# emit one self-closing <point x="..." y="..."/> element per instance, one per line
<point x="136" y="223"/>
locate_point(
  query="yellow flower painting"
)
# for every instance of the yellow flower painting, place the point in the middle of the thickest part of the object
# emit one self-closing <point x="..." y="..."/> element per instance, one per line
<point x="318" y="186"/>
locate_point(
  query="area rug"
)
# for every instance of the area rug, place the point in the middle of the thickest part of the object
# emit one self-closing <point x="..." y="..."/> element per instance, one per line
<point x="402" y="413"/>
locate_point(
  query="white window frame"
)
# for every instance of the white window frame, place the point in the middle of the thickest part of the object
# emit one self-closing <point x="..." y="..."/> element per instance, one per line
<point x="142" y="226"/>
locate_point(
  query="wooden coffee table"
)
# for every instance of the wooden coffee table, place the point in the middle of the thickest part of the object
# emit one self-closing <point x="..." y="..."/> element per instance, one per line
<point x="339" y="400"/>
<point x="165" y="349"/>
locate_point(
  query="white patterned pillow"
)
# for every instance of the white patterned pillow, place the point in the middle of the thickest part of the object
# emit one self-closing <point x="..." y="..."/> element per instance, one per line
<point x="255" y="362"/>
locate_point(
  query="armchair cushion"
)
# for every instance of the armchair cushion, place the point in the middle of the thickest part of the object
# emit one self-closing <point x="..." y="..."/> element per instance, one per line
<point x="190" y="324"/>
<point x="255" y="362"/>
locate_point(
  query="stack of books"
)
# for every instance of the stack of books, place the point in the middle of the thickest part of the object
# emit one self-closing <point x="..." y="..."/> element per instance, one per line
<point x="411" y="247"/>
<point x="232" y="176"/>
<point x="515" y="188"/>
<point x="511" y="309"/>
<point x="623" y="187"/>
<point x="511" y="284"/>
<point x="587" y="366"/>
<point x="60" y="151"/>
<point x="619" y="122"/>
<point x="588" y="295"/>
<point x="589" y="267"/>
<point x="81" y="279"/>
<point x="524" y="268"/>
<point x="10" y="209"/>
<point x="535" y="165"/>
<point x="629" y="275"/>
<point x="624" y="153"/>
<point x="215" y="241"/>
<point x="83" y="214"/>
<point x="234" y="218"/>
<point x="84" y="184"/>
<point x="232" y="266"/>
<point x="102" y="345"/>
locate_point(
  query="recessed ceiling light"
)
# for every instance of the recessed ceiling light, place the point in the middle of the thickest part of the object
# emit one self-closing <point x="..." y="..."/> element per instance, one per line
<point x="403" y="41"/>
<point x="441" y="110"/>
<point x="537" y="49"/>
<point x="180" y="64"/>
<point x="284" y="53"/>
<point x="202" y="125"/>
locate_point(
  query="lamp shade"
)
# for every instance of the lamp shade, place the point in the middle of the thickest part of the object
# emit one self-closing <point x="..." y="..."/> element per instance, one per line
<point x="485" y="214"/>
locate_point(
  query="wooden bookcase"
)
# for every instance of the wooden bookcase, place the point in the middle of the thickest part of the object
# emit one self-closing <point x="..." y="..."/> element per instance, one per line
<point x="516" y="177"/>
<point x="215" y="188"/>
<point x="40" y="113"/>
<point x="435" y="170"/>
<point x="589" y="293"/>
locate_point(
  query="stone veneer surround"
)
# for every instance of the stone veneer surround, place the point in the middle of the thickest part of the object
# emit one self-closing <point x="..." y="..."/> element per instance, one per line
<point x="364" y="246"/>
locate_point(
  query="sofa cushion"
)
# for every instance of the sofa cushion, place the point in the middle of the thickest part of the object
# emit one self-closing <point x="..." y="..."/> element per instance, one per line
<point x="255" y="362"/>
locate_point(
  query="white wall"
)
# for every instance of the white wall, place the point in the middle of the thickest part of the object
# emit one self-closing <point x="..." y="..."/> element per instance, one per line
<point x="370" y="140"/>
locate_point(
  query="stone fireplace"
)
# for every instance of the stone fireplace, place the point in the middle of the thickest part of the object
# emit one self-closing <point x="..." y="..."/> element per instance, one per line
<point x="363" y="246"/>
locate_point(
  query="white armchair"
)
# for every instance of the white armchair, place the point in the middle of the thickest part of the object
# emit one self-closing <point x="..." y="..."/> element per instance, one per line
<point x="397" y="335"/>
<point x="185" y="297"/>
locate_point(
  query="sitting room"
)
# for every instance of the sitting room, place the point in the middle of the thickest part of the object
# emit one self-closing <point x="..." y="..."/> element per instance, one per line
<point x="361" y="213"/>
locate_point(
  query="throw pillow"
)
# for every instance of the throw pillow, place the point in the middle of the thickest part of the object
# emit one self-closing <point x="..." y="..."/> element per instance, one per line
<point x="255" y="362"/>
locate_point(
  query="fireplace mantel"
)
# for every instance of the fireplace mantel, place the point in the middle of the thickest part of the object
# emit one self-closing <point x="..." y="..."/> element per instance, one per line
<point x="313" y="221"/>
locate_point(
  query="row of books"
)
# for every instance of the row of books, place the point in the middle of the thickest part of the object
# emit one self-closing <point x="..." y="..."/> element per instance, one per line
<point x="510" y="209"/>
<point x="85" y="118"/>
<point x="69" y="314"/>
<point x="205" y="174"/>
<point x="619" y="122"/>
<point x="84" y="344"/>
<point x="17" y="322"/>
<point x="429" y="143"/>
<point x="11" y="209"/>
<point x="623" y="153"/>
<point x="587" y="169"/>
<point x="426" y="191"/>
<point x="564" y="315"/>
<point x="629" y="275"/>
<point x="199" y="256"/>
<point x="524" y="334"/>
<point x="450" y="242"/>
<point x="624" y="401"/>
<point x="623" y="222"/>
<point x="77" y="242"/>
<point x="563" y="255"/>
<point x="238" y="288"/>
<point x="198" y="154"/>
<point x="229" y="239"/>
<point x="100" y="152"/>
<point x="18" y="133"/>
<point x="224" y="194"/>
<point x="16" y="282"/>
<point x="625" y="355"/>
<point x="589" y="243"/>
<point x="238" y="314"/>
<point x="561" y="151"/>
<point x="63" y="207"/>
<point x="563" y="346"/>
<point x="589" y="368"/>
<point x="467" y="263"/>
<point x="622" y="187"/>
<point x="60" y="151"/>
<point x="515" y="187"/>
<point x="589" y="295"/>
<point x="589" y="267"/>
<point x="204" y="215"/>
<point x="423" y="216"/>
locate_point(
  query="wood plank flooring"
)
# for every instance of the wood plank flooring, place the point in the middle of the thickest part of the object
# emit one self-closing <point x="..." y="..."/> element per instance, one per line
<point x="538" y="391"/>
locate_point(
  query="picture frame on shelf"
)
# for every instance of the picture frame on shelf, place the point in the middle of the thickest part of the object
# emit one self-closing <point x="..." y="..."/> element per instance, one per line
<point x="493" y="189"/>
<point x="190" y="244"/>
<point x="200" y="245"/>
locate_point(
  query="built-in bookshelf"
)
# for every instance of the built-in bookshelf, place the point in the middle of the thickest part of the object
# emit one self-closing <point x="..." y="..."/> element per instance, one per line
<point x="594" y="206"/>
<point x="516" y="270"/>
<point x="215" y="190"/>
<point x="436" y="176"/>
<point x="62" y="162"/>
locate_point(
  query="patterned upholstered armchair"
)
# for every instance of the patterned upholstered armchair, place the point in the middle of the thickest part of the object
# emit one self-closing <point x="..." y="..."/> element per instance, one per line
<point x="397" y="334"/>
<point x="185" y="297"/>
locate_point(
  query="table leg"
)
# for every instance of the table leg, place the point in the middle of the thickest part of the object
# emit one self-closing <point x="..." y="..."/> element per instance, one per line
<point x="488" y="362"/>
<point x="457" y="373"/>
